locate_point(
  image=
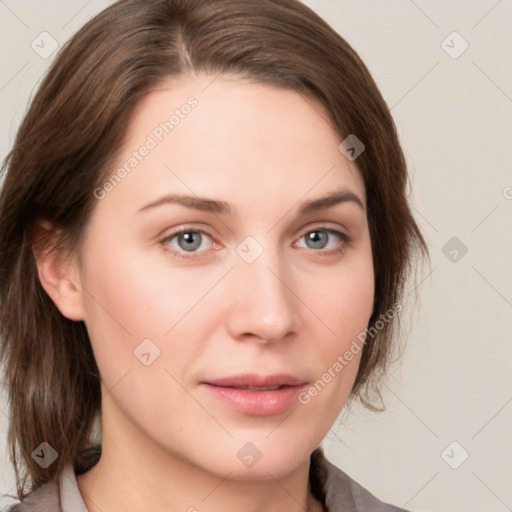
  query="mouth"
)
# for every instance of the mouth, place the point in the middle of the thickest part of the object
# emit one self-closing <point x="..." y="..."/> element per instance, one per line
<point x="258" y="388"/>
<point x="257" y="395"/>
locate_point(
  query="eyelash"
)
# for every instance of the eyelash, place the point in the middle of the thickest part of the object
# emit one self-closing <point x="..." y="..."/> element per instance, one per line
<point x="346" y="241"/>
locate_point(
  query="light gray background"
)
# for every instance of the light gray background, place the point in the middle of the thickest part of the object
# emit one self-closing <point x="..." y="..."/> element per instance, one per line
<point x="454" y="116"/>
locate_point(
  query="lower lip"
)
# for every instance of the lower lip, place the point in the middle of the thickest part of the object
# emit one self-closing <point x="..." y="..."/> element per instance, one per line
<point x="259" y="403"/>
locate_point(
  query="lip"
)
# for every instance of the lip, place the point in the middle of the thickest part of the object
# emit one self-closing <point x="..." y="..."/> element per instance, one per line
<point x="259" y="395"/>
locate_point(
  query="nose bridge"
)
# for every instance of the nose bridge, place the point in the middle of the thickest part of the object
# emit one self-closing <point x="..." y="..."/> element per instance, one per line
<point x="264" y="304"/>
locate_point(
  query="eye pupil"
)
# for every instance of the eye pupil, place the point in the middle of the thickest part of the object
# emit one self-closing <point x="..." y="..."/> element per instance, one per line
<point x="192" y="239"/>
<point x="318" y="239"/>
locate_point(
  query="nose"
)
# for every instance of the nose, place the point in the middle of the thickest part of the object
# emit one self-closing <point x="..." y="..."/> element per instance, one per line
<point x="263" y="305"/>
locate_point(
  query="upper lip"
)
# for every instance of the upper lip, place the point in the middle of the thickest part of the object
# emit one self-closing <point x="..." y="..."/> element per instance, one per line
<point x="255" y="380"/>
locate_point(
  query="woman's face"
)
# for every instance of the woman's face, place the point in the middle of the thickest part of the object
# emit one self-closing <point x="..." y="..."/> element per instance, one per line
<point x="195" y="333"/>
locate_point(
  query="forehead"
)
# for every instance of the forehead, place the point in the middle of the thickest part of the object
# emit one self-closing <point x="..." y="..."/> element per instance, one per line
<point x="223" y="135"/>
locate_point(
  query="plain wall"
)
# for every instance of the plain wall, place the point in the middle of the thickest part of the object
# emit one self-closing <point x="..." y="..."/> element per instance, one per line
<point x="452" y="394"/>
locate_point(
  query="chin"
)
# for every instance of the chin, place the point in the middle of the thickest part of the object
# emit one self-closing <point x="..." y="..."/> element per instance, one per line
<point x="259" y="457"/>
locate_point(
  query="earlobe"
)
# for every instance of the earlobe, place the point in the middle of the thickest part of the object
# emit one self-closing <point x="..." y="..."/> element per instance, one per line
<point x="57" y="270"/>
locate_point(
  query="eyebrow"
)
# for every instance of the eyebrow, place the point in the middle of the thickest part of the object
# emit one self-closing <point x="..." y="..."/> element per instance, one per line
<point x="332" y="199"/>
<point x="215" y="206"/>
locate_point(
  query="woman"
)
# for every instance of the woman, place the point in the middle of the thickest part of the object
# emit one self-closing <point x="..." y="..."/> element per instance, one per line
<point x="252" y="133"/>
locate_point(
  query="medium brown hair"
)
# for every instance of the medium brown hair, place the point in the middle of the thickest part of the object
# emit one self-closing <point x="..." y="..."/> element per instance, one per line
<point x="66" y="146"/>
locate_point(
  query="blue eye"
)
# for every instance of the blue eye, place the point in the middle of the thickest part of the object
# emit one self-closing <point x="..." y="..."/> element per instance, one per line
<point x="187" y="241"/>
<point x="190" y="240"/>
<point x="316" y="239"/>
<point x="319" y="239"/>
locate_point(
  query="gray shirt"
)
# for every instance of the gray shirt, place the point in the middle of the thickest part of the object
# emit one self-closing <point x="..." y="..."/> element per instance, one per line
<point x="330" y="485"/>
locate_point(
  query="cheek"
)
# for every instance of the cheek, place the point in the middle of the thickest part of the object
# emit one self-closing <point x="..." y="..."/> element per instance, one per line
<point x="131" y="297"/>
<point x="344" y="305"/>
<point x="136" y="293"/>
<point x="344" y="299"/>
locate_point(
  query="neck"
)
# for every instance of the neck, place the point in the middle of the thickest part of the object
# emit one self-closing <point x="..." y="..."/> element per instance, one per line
<point x="140" y="477"/>
<point x="116" y="485"/>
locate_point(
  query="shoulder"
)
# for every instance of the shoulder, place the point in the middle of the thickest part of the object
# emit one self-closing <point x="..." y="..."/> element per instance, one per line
<point x="42" y="499"/>
<point x="341" y="493"/>
<point x="61" y="494"/>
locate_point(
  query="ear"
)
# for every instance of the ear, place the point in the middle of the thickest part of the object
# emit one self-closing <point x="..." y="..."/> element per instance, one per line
<point x="58" y="271"/>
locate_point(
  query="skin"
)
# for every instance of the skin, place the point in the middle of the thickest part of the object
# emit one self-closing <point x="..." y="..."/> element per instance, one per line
<point x="168" y="445"/>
